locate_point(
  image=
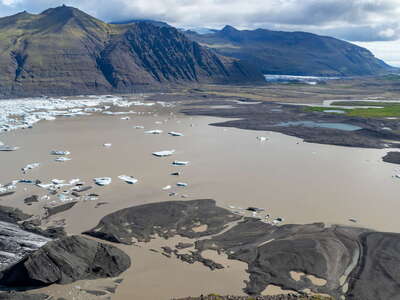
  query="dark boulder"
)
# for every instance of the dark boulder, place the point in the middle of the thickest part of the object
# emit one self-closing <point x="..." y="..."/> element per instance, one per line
<point x="67" y="260"/>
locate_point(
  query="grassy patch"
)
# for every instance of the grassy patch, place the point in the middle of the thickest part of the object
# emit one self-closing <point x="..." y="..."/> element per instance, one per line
<point x="383" y="110"/>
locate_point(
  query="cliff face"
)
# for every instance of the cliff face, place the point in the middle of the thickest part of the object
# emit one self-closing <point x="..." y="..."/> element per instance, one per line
<point x="293" y="53"/>
<point x="65" y="51"/>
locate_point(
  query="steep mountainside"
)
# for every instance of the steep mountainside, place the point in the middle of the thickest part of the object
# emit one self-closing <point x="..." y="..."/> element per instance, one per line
<point x="65" y="51"/>
<point x="293" y="53"/>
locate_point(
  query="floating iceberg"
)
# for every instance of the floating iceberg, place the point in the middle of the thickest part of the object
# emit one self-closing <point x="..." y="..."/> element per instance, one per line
<point x="180" y="163"/>
<point x="102" y="181"/>
<point x="128" y="179"/>
<point x="155" y="131"/>
<point x="182" y="184"/>
<point x="163" y="153"/>
<point x="60" y="152"/>
<point x="30" y="167"/>
<point x="107" y="145"/>
<point x="262" y="138"/>
<point x="62" y="159"/>
<point x="139" y="127"/>
<point x="126" y="118"/>
<point x="173" y="133"/>
<point x="57" y="181"/>
<point x="8" y="148"/>
<point x="165" y="188"/>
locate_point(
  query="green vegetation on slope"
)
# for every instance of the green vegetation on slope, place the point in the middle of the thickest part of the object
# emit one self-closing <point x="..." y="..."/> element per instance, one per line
<point x="382" y="110"/>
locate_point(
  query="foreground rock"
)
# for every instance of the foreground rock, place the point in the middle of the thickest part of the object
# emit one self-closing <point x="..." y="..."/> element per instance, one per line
<point x="392" y="157"/>
<point x="23" y="296"/>
<point x="165" y="219"/>
<point x="15" y="243"/>
<point x="67" y="260"/>
<point x="339" y="261"/>
<point x="277" y="297"/>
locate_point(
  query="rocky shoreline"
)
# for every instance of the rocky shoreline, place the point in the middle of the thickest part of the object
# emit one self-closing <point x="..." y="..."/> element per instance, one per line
<point x="270" y="116"/>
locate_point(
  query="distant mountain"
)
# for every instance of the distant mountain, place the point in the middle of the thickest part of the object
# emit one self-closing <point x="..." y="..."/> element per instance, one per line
<point x="292" y="53"/>
<point x="65" y="51"/>
<point x="148" y="21"/>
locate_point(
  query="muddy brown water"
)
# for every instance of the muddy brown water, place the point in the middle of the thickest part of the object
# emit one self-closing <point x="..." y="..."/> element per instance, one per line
<point x="298" y="181"/>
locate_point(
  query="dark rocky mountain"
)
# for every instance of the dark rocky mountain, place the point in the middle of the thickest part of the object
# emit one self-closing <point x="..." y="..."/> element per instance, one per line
<point x="292" y="53"/>
<point x="149" y="21"/>
<point x="65" y="51"/>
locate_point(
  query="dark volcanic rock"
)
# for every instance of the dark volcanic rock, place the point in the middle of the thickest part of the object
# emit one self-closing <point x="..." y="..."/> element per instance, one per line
<point x="377" y="275"/>
<point x="276" y="297"/>
<point x="31" y="199"/>
<point x="53" y="210"/>
<point x="65" y="261"/>
<point x="273" y="252"/>
<point x="12" y="215"/>
<point x="392" y="157"/>
<point x="23" y="296"/>
<point x="165" y="219"/>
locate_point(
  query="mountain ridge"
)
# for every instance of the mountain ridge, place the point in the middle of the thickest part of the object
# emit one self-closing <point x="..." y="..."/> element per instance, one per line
<point x="292" y="53"/>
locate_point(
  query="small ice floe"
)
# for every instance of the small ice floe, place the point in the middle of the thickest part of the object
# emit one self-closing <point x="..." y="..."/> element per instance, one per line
<point x="261" y="138"/>
<point x="7" y="189"/>
<point x="231" y="206"/>
<point x="180" y="163"/>
<point x="126" y="118"/>
<point x="30" y="167"/>
<point x="163" y="153"/>
<point x="155" y="131"/>
<point x="353" y="220"/>
<point x="107" y="145"/>
<point x="60" y="152"/>
<point x="278" y="221"/>
<point x="102" y="181"/>
<point x="6" y="148"/>
<point x="139" y="127"/>
<point x="173" y="133"/>
<point x="75" y="181"/>
<point x="158" y="122"/>
<point x="128" y="179"/>
<point x="165" y="188"/>
<point x="58" y="181"/>
<point x="182" y="184"/>
<point x="62" y="159"/>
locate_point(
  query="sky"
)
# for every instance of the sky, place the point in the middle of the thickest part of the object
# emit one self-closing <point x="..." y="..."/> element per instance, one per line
<point x="374" y="24"/>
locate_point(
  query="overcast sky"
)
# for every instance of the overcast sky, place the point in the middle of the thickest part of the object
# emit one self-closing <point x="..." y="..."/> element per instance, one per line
<point x="374" y="24"/>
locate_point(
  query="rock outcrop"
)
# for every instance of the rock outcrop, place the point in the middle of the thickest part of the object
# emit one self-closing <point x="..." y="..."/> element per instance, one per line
<point x="164" y="219"/>
<point x="67" y="260"/>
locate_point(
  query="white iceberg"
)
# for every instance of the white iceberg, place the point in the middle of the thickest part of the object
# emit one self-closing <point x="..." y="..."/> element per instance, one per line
<point x="165" y="188"/>
<point x="60" y="152"/>
<point x="57" y="181"/>
<point x="102" y="181"/>
<point x="126" y="118"/>
<point x="155" y="131"/>
<point x="180" y="163"/>
<point x="163" y="153"/>
<point x="128" y="179"/>
<point x="262" y="138"/>
<point x="8" y="148"/>
<point x="173" y="133"/>
<point x="30" y="167"/>
<point x="182" y="184"/>
<point x="139" y="127"/>
<point x="62" y="159"/>
<point x="107" y="145"/>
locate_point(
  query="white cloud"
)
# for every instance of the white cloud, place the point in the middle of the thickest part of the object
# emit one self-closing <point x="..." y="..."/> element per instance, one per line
<point x="387" y="50"/>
